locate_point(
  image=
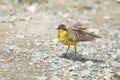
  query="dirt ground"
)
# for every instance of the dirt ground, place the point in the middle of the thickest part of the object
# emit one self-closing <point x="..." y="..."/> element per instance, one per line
<point x="30" y="50"/>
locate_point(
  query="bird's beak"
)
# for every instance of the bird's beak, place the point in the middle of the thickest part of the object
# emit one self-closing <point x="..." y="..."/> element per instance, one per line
<point x="58" y="28"/>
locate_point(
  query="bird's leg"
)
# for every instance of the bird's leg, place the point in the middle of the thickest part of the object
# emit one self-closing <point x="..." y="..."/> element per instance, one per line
<point x="75" y="49"/>
<point x="67" y="49"/>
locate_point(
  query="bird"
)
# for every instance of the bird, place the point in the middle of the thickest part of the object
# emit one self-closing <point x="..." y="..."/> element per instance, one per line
<point x="74" y="34"/>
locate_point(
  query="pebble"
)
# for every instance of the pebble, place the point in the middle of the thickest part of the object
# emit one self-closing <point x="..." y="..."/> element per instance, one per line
<point x="118" y="58"/>
<point x="20" y="36"/>
<point x="88" y="4"/>
<point x="55" y="41"/>
<point x="37" y="44"/>
<point x="118" y="1"/>
<point x="117" y="74"/>
<point x="1" y="60"/>
<point x="114" y="56"/>
<point x="107" y="73"/>
<point x="85" y="73"/>
<point x="115" y="64"/>
<point x="72" y="68"/>
<point x="103" y="46"/>
<point x="7" y="19"/>
<point x="32" y="8"/>
<point x="100" y="75"/>
<point x="118" y="52"/>
<point x="71" y="79"/>
<point x="85" y="52"/>
<point x="95" y="31"/>
<point x="89" y="63"/>
<point x="12" y="47"/>
<point x="65" y="72"/>
<point x="74" y="73"/>
<point x="103" y="65"/>
<point x="43" y="78"/>
<point x="107" y="17"/>
<point x="55" y="78"/>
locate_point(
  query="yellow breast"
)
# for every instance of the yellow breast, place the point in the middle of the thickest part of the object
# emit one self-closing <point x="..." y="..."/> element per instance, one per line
<point x="62" y="38"/>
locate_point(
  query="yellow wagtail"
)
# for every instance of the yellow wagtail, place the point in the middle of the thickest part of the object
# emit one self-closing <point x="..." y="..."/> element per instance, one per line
<point x="73" y="35"/>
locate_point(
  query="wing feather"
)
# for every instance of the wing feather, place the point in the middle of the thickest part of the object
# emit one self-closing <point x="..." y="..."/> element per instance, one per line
<point x="77" y="26"/>
<point x="76" y="33"/>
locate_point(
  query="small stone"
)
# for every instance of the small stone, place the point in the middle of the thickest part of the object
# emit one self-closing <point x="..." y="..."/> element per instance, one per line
<point x="30" y="63"/>
<point x="66" y="15"/>
<point x="32" y="8"/>
<point x="118" y="52"/>
<point x="89" y="63"/>
<point x="107" y="74"/>
<point x="100" y="75"/>
<point x="65" y="72"/>
<point x="85" y="73"/>
<point x="37" y="44"/>
<point x="103" y="65"/>
<point x="115" y="64"/>
<point x="55" y="78"/>
<point x="103" y="46"/>
<point x="88" y="4"/>
<point x="118" y="1"/>
<point x="118" y="58"/>
<point x="43" y="78"/>
<point x="96" y="31"/>
<point x="85" y="52"/>
<point x="20" y="36"/>
<point x="71" y="68"/>
<point x="114" y="56"/>
<point x="12" y="47"/>
<point x="117" y="74"/>
<point x="55" y="41"/>
<point x="106" y="17"/>
<point x="71" y="79"/>
<point x="1" y="60"/>
<point x="28" y="44"/>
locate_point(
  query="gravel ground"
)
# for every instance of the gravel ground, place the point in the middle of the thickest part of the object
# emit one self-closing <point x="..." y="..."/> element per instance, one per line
<point x="30" y="50"/>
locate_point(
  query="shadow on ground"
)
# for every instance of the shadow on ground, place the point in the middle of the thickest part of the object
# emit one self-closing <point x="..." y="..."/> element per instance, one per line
<point x="78" y="57"/>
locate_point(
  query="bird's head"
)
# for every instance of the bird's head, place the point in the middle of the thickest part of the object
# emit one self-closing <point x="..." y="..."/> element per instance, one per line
<point x="62" y="27"/>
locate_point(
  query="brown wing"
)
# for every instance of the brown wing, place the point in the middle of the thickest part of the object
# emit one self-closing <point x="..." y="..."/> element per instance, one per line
<point x="76" y="33"/>
<point x="84" y="36"/>
<point x="73" y="30"/>
<point x="77" y="26"/>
